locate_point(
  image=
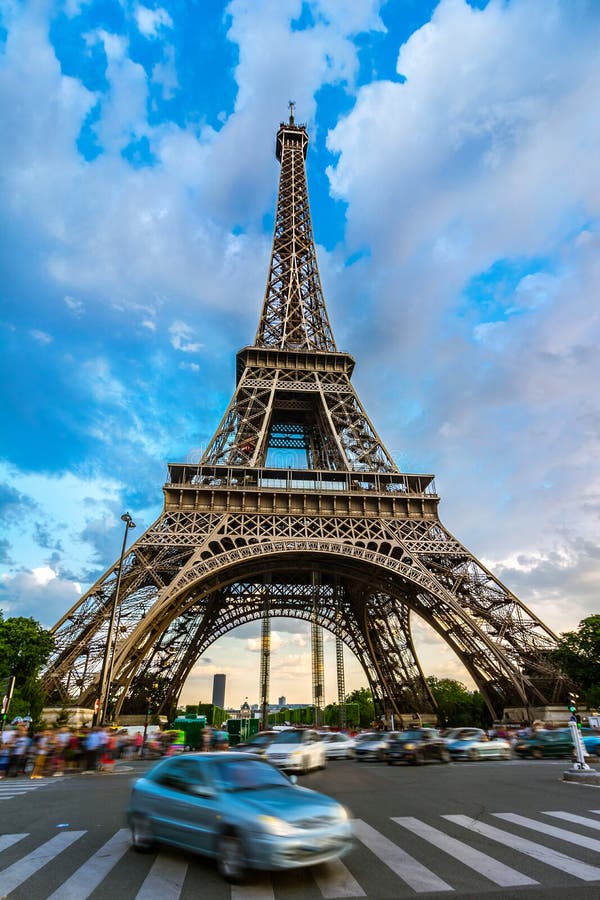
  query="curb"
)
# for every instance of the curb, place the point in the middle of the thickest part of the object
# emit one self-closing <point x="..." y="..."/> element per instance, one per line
<point x="586" y="776"/>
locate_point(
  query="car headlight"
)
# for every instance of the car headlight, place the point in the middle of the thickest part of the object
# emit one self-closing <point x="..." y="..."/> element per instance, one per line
<point x="342" y="813"/>
<point x="276" y="826"/>
<point x="410" y="746"/>
<point x="296" y="754"/>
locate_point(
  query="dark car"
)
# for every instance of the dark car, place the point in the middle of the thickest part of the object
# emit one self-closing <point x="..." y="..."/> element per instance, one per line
<point x="417" y="746"/>
<point x="545" y="743"/>
<point x="239" y="809"/>
<point x="258" y="743"/>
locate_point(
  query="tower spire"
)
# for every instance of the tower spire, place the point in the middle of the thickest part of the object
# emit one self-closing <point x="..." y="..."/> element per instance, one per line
<point x="294" y="316"/>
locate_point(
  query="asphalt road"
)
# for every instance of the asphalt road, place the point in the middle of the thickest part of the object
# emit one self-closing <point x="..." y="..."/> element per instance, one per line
<point x="473" y="830"/>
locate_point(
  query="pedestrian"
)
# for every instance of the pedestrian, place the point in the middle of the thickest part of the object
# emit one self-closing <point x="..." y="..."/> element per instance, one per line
<point x="138" y="743"/>
<point x="92" y="745"/>
<point x="20" y="749"/>
<point x="43" y="747"/>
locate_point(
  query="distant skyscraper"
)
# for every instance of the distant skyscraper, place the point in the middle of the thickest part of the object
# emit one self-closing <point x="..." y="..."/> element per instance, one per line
<point x="218" y="697"/>
<point x="281" y="701"/>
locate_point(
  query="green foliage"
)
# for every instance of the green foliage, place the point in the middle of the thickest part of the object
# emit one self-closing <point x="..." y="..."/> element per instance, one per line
<point x="24" y="649"/>
<point x="458" y="706"/>
<point x="331" y="715"/>
<point x="578" y="655"/>
<point x="148" y="694"/>
<point x="366" y="708"/>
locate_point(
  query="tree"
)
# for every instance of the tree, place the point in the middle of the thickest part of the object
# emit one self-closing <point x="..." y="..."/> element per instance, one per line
<point x="24" y="649"/>
<point x="578" y="655"/>
<point x="457" y="705"/>
<point x="364" y="698"/>
<point x="149" y="692"/>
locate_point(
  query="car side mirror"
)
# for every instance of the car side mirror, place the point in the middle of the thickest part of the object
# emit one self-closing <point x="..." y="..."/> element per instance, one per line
<point x="294" y="779"/>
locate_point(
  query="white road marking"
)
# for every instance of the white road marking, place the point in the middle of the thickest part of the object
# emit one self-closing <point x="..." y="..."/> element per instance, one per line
<point x="262" y="890"/>
<point x="417" y="876"/>
<point x="7" y="840"/>
<point x="21" y="870"/>
<point x="577" y="820"/>
<point x="165" y="879"/>
<point x="580" y="839"/>
<point x="530" y="848"/>
<point x="482" y="863"/>
<point x="336" y="881"/>
<point x="88" y="876"/>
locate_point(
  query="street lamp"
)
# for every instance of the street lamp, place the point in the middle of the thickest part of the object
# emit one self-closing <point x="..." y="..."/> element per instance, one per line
<point x="109" y="651"/>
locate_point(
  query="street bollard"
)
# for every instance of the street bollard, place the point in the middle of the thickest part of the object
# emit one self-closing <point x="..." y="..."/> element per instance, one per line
<point x="580" y="764"/>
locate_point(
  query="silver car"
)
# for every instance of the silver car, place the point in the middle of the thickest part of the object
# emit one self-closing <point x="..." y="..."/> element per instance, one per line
<point x="240" y="810"/>
<point x="373" y="745"/>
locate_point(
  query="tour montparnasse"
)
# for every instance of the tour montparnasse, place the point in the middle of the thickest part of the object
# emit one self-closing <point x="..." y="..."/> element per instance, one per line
<point x="297" y="509"/>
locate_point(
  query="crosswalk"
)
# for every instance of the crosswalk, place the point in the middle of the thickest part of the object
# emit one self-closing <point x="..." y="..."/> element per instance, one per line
<point x="495" y="850"/>
<point x="13" y="787"/>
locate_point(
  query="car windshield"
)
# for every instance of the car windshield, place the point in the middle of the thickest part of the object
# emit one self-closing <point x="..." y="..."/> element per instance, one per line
<point x="289" y="737"/>
<point x="249" y="775"/>
<point x="410" y="736"/>
<point x="261" y="739"/>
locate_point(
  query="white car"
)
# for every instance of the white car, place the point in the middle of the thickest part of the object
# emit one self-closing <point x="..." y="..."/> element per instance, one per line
<point x="297" y="750"/>
<point x="473" y="743"/>
<point x="338" y="745"/>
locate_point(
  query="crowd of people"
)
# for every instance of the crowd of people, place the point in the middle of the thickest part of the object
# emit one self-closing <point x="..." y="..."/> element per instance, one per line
<point x="54" y="751"/>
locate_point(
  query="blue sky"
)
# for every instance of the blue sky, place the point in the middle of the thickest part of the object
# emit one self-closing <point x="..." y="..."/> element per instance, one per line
<point x="453" y="174"/>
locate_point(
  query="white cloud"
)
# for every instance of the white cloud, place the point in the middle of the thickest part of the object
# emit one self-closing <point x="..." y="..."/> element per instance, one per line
<point x="181" y="338"/>
<point x="41" y="593"/>
<point x="151" y="21"/>
<point x="41" y="336"/>
<point x="276" y="643"/>
<point x="461" y="168"/>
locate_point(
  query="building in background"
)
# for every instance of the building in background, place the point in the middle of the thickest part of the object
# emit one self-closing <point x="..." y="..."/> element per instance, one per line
<point x="281" y="701"/>
<point x="218" y="694"/>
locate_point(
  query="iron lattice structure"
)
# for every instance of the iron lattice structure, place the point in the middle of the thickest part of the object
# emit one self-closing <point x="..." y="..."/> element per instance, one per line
<point x="297" y="499"/>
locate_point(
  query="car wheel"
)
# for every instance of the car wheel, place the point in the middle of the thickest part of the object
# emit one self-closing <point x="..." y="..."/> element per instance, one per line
<point x="142" y="837"/>
<point x="231" y="861"/>
<point x="537" y="753"/>
<point x="507" y="754"/>
<point x="444" y="755"/>
<point x="473" y="756"/>
<point x="381" y="755"/>
<point x="418" y="758"/>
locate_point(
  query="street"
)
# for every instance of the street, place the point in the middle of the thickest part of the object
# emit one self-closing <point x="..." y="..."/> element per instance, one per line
<point x="488" y="829"/>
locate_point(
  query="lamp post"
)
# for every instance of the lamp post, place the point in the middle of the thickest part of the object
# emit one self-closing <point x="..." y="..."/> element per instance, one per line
<point x="109" y="651"/>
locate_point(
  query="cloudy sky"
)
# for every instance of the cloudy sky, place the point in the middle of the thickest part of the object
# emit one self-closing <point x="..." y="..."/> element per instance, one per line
<point x="453" y="174"/>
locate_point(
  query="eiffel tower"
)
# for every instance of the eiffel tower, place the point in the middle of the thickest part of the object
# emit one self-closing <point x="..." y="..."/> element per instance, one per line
<point x="337" y="536"/>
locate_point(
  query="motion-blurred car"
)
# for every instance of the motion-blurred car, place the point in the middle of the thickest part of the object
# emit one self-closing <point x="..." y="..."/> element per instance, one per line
<point x="473" y="743"/>
<point x="591" y="739"/>
<point x="546" y="743"/>
<point x="297" y="750"/>
<point x="238" y="809"/>
<point x="338" y="745"/>
<point x="258" y="743"/>
<point x="417" y="746"/>
<point x="373" y="745"/>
